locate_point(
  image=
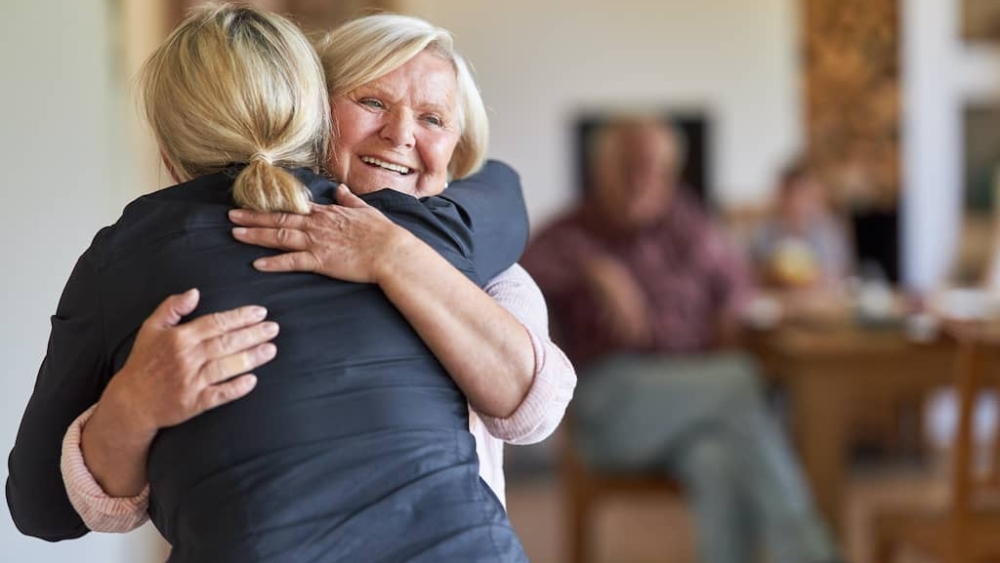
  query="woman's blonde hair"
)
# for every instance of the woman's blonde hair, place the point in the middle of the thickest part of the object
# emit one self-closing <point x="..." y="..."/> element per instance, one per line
<point x="237" y="85"/>
<point x="369" y="47"/>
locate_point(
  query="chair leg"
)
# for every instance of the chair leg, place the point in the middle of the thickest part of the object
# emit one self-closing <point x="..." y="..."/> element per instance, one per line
<point x="883" y="551"/>
<point x="578" y="519"/>
<point x="883" y="547"/>
<point x="958" y="545"/>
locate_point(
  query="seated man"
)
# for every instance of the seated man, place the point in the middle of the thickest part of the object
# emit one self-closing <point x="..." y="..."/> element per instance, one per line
<point x="647" y="291"/>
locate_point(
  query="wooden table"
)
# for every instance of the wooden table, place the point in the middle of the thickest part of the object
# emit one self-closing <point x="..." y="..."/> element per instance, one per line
<point x="832" y="376"/>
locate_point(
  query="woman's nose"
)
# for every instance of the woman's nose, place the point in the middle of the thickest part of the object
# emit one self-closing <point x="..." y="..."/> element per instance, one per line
<point x="399" y="129"/>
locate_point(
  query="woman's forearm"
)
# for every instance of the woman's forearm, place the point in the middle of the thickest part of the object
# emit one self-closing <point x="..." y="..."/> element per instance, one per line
<point x="462" y="325"/>
<point x="554" y="378"/>
<point x="115" y="448"/>
<point x="174" y="372"/>
<point x="484" y="348"/>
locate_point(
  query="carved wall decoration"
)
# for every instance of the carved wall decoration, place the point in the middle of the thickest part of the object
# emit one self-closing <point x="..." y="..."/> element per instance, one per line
<point x="851" y="73"/>
<point x="981" y="20"/>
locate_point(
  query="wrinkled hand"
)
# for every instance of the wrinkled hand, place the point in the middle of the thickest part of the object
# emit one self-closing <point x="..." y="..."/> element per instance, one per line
<point x="178" y="371"/>
<point x="351" y="241"/>
<point x="619" y="300"/>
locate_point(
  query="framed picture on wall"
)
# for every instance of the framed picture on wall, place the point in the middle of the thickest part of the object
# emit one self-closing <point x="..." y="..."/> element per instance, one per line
<point x="980" y="182"/>
<point x="981" y="166"/>
<point x="981" y="20"/>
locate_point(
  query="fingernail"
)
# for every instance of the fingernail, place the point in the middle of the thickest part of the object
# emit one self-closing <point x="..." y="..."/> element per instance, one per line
<point x="258" y="313"/>
<point x="268" y="350"/>
<point x="235" y="213"/>
<point x="239" y="231"/>
<point x="260" y="263"/>
<point x="270" y="328"/>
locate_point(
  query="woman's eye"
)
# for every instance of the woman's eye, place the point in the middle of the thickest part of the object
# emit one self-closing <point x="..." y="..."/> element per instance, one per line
<point x="434" y="120"/>
<point x="372" y="103"/>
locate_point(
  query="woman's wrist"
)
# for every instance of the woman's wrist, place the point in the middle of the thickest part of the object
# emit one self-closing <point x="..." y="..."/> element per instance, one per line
<point x="115" y="441"/>
<point x="132" y="422"/>
<point x="396" y="254"/>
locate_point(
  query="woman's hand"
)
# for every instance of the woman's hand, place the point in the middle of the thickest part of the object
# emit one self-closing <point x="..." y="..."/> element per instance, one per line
<point x="352" y="241"/>
<point x="178" y="371"/>
<point x="173" y="373"/>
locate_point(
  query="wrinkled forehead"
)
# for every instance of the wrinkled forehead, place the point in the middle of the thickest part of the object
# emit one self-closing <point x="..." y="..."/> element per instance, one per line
<point x="650" y="141"/>
<point x="638" y="147"/>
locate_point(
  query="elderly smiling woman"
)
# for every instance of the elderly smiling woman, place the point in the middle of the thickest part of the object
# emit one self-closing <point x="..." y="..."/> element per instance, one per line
<point x="355" y="433"/>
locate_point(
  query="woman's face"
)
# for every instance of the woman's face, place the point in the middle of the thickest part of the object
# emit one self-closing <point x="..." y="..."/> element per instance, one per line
<point x="802" y="203"/>
<point x="398" y="131"/>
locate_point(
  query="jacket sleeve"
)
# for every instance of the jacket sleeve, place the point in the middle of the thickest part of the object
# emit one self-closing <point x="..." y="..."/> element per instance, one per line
<point x="491" y="204"/>
<point x="543" y="407"/>
<point x="71" y="378"/>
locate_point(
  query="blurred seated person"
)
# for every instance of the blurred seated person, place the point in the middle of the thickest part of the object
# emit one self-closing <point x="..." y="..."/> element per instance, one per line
<point x="802" y="252"/>
<point x="646" y="290"/>
<point x="803" y="245"/>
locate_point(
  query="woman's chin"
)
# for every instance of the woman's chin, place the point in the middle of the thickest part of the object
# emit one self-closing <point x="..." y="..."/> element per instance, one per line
<point x="375" y="182"/>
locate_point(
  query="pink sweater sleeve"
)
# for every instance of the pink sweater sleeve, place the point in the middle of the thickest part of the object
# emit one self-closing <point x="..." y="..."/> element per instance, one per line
<point x="100" y="512"/>
<point x="552" y="388"/>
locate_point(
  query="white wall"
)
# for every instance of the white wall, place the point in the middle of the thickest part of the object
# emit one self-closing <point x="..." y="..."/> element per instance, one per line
<point x="541" y="62"/>
<point x="62" y="180"/>
<point x="940" y="75"/>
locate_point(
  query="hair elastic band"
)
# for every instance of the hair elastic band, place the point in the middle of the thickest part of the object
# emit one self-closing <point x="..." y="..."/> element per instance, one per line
<point x="261" y="157"/>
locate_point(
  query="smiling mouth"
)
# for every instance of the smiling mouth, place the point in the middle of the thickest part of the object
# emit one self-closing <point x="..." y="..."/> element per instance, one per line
<point x="377" y="163"/>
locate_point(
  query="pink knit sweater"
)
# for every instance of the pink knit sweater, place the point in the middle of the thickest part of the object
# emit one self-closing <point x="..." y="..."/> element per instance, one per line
<point x="534" y="420"/>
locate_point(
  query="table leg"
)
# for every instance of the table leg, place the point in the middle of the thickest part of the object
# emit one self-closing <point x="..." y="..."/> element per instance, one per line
<point x="820" y="421"/>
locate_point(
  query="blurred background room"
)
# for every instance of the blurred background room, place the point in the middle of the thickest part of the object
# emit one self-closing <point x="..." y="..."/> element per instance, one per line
<point x="848" y="151"/>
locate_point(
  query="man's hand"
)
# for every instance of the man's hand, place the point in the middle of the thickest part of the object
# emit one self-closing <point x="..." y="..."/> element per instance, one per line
<point x="620" y="300"/>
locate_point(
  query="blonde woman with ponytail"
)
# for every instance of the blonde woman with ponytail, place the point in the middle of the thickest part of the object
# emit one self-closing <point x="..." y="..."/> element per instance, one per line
<point x="349" y="441"/>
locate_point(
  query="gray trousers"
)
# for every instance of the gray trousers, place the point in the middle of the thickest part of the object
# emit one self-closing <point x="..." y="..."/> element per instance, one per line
<point x="702" y="420"/>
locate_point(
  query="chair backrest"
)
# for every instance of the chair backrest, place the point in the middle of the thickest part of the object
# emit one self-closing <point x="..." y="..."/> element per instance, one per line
<point x="971" y="480"/>
<point x="967" y="384"/>
<point x="584" y="486"/>
<point x="975" y="372"/>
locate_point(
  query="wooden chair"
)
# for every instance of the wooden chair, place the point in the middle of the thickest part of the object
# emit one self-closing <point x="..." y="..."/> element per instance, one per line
<point x="583" y="488"/>
<point x="967" y="529"/>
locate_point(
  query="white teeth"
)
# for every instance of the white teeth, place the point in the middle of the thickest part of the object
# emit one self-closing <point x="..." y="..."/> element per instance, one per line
<point x="386" y="165"/>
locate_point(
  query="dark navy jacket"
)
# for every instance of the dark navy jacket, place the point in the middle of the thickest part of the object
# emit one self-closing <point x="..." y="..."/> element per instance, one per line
<point x="354" y="446"/>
